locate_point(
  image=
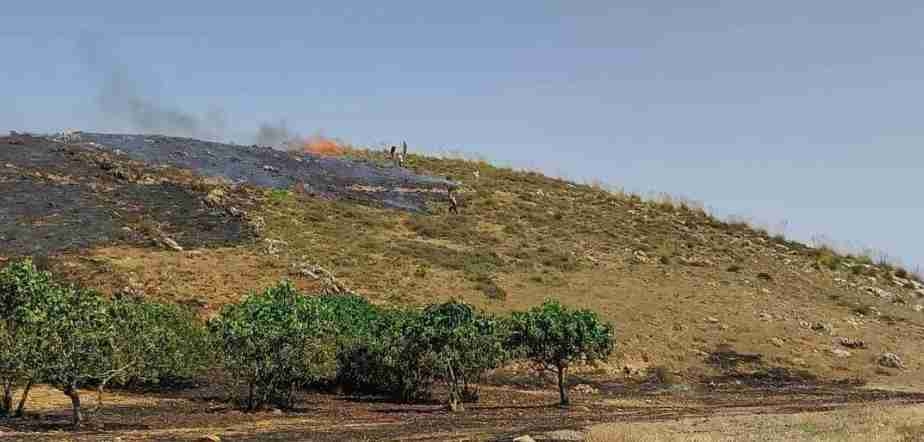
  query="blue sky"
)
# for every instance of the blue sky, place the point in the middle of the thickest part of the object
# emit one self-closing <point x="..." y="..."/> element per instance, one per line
<point x="806" y="112"/>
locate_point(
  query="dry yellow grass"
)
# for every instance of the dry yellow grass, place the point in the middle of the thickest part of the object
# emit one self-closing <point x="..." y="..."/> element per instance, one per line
<point x="659" y="272"/>
<point x="867" y="424"/>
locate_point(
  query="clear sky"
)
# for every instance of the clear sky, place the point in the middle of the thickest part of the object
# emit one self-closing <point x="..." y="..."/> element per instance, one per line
<point x="802" y="111"/>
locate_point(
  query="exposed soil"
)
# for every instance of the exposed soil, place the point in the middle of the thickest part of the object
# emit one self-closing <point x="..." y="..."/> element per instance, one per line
<point x="503" y="413"/>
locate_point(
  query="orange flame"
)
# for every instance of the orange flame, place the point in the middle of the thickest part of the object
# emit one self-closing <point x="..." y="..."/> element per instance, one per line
<point x="319" y="145"/>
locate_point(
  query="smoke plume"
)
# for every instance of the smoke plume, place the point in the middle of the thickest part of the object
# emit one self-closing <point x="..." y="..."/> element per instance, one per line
<point x="274" y="135"/>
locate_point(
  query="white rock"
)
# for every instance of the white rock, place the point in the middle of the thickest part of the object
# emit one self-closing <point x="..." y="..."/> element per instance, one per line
<point x="565" y="435"/>
<point x="171" y="244"/>
<point x="840" y="352"/>
<point x="891" y="360"/>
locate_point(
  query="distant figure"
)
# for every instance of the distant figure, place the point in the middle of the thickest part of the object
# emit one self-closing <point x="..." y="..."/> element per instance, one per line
<point x="477" y="175"/>
<point x="394" y="149"/>
<point x="403" y="155"/>
<point x="453" y="202"/>
<point x="70" y="136"/>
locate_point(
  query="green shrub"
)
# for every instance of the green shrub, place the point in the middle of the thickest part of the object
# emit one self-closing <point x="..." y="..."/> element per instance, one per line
<point x="272" y="344"/>
<point x="408" y="351"/>
<point x="161" y="344"/>
<point x="554" y="337"/>
<point x="389" y="361"/>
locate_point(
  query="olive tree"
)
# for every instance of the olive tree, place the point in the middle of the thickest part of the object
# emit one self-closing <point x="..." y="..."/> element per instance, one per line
<point x="272" y="344"/>
<point x="155" y="342"/>
<point x="24" y="294"/>
<point x="554" y="337"/>
<point x="461" y="344"/>
<point x="387" y="360"/>
<point x="78" y="340"/>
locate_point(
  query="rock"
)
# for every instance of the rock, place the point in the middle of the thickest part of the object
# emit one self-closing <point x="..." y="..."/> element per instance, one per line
<point x="823" y="327"/>
<point x="919" y="293"/>
<point x="879" y="292"/>
<point x="712" y="320"/>
<point x="257" y="224"/>
<point x="235" y="212"/>
<point x="171" y="244"/>
<point x="764" y="316"/>
<point x="275" y="246"/>
<point x="215" y="197"/>
<point x="852" y="343"/>
<point x="209" y="438"/>
<point x="276" y="412"/>
<point x="778" y="342"/>
<point x="271" y="169"/>
<point x="639" y="257"/>
<point x="524" y="438"/>
<point x="891" y="360"/>
<point x="584" y="389"/>
<point x="696" y="262"/>
<point x="918" y="307"/>
<point x="805" y="324"/>
<point x="565" y="435"/>
<point x="840" y="352"/>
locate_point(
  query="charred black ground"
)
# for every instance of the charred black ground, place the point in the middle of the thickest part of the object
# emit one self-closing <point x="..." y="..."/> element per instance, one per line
<point x="337" y="178"/>
<point x="56" y="198"/>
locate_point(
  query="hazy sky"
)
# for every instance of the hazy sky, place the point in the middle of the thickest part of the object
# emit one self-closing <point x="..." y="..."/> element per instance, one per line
<point x="803" y="111"/>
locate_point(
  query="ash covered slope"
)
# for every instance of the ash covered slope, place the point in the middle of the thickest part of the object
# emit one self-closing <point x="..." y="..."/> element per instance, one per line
<point x="56" y="198"/>
<point x="336" y="178"/>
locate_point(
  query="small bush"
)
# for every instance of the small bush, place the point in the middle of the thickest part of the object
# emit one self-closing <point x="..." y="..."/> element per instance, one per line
<point x="827" y="258"/>
<point x="488" y="285"/>
<point x="661" y="375"/>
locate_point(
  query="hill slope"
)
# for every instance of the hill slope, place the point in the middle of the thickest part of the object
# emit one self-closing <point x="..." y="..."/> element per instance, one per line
<point x="678" y="284"/>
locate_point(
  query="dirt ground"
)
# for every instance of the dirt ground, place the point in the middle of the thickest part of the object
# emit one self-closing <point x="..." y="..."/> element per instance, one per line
<point x="503" y="414"/>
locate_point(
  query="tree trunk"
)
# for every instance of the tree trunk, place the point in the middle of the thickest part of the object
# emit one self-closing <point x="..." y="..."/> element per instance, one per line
<point x="250" y="399"/>
<point x="77" y="418"/>
<point x="21" y="409"/>
<point x="455" y="397"/>
<point x="562" y="391"/>
<point x="455" y="402"/>
<point x="6" y="403"/>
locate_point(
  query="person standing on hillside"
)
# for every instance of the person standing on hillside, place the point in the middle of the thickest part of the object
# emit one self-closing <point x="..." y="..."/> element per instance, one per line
<point x="403" y="155"/>
<point x="453" y="202"/>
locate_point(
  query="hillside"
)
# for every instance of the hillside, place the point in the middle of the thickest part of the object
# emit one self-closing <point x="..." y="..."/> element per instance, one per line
<point x="680" y="286"/>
